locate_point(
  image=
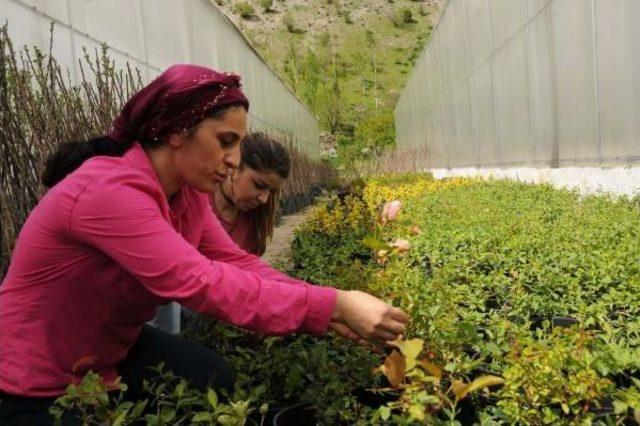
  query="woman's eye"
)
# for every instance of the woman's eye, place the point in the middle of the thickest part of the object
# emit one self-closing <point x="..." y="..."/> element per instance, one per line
<point x="227" y="140"/>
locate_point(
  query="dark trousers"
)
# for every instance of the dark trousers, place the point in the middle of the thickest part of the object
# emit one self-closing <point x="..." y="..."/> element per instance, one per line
<point x="202" y="366"/>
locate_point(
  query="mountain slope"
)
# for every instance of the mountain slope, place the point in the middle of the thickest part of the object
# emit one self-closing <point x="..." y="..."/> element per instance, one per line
<point x="348" y="59"/>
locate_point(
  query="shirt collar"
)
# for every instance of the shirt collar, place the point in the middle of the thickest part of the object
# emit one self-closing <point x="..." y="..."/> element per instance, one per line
<point x="140" y="160"/>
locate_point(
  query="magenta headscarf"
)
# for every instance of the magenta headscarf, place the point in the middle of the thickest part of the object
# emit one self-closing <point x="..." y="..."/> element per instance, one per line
<point x="175" y="101"/>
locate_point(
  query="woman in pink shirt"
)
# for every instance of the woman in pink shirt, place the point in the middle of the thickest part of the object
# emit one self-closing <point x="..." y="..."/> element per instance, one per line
<point x="127" y="226"/>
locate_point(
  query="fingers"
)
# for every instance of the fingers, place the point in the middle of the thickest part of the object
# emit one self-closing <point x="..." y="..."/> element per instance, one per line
<point x="399" y="315"/>
<point x="347" y="333"/>
<point x="344" y="331"/>
<point x="362" y="315"/>
<point x="395" y="327"/>
<point x="384" y="336"/>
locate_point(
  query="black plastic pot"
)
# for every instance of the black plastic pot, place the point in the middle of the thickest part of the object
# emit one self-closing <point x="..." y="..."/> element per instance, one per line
<point x="300" y="414"/>
<point x="604" y="409"/>
<point x="493" y="303"/>
<point x="624" y="378"/>
<point x="561" y="322"/>
<point x="375" y="399"/>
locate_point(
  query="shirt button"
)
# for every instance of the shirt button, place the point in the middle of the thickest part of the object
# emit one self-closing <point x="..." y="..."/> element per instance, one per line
<point x="203" y="279"/>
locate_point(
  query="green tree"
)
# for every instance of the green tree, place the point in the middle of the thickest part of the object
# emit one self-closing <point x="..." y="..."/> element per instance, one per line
<point x="376" y="132"/>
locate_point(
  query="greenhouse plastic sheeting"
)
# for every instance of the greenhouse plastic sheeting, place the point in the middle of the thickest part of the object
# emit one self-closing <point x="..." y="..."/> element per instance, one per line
<point x="504" y="83"/>
<point x="153" y="34"/>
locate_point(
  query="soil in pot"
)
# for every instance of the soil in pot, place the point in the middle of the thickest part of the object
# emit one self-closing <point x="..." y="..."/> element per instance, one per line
<point x="300" y="414"/>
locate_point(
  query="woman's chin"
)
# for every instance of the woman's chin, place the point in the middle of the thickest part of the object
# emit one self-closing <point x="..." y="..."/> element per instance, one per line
<point x="245" y="207"/>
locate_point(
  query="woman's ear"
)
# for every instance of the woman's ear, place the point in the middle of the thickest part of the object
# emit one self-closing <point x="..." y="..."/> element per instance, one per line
<point x="176" y="140"/>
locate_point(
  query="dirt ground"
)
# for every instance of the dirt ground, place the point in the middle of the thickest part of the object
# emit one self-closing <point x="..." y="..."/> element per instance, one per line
<point x="278" y="247"/>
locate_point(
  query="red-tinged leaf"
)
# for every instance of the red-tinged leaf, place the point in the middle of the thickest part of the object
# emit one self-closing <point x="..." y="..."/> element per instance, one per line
<point x="461" y="390"/>
<point x="430" y="368"/>
<point x="394" y="368"/>
<point x="410" y="349"/>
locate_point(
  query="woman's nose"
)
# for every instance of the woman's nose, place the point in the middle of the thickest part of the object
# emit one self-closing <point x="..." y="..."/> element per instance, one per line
<point x="263" y="197"/>
<point x="232" y="159"/>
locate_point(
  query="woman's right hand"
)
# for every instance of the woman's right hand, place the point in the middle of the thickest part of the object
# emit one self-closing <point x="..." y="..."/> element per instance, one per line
<point x="367" y="317"/>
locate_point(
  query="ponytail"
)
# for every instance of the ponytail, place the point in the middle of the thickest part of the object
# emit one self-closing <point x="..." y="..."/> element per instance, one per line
<point x="70" y="155"/>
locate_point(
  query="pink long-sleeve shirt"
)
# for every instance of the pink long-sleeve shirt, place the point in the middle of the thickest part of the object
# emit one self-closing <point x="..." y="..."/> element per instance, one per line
<point x="240" y="230"/>
<point x="102" y="249"/>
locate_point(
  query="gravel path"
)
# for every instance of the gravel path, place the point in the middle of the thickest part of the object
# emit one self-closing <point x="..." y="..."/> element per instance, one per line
<point x="278" y="248"/>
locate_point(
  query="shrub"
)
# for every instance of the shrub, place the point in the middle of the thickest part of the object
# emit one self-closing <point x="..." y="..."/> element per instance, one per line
<point x="484" y="268"/>
<point x="486" y="292"/>
<point x="44" y="110"/>
<point x="290" y="23"/>
<point x="245" y="10"/>
<point x="377" y="132"/>
<point x="267" y="5"/>
<point x="171" y="401"/>
<point x="407" y="16"/>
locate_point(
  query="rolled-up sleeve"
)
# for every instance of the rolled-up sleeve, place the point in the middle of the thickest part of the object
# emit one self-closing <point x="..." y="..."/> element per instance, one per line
<point x="126" y="223"/>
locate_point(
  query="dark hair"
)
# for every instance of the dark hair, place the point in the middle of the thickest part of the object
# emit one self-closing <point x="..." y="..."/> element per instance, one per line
<point x="70" y="155"/>
<point x="262" y="153"/>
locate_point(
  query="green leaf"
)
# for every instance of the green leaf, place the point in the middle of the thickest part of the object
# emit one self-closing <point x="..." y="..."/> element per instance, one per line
<point x="181" y="388"/>
<point x="385" y="412"/>
<point x="151" y="419"/>
<point x="374" y="243"/>
<point x="226" y="420"/>
<point x="56" y="411"/>
<point x="451" y="367"/>
<point x="119" y="421"/>
<point x="185" y="402"/>
<point x="168" y="414"/>
<point x="202" y="417"/>
<point x="417" y="412"/>
<point x="212" y="397"/>
<point x="620" y="407"/>
<point x="138" y="409"/>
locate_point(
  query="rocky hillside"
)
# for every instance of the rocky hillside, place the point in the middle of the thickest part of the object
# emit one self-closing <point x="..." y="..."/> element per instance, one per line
<point x="348" y="59"/>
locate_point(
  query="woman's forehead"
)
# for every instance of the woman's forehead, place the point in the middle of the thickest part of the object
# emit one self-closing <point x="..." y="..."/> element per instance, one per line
<point x="234" y="120"/>
<point x="270" y="177"/>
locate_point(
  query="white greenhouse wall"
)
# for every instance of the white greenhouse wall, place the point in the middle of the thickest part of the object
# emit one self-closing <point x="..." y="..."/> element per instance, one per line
<point x="153" y="34"/>
<point x="509" y="85"/>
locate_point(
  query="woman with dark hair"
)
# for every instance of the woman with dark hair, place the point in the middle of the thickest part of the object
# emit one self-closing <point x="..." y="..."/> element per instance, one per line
<point x="127" y="226"/>
<point x="247" y="201"/>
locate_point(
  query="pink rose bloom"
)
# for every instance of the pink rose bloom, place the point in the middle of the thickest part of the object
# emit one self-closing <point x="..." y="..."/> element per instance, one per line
<point x="401" y="245"/>
<point x="390" y="210"/>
